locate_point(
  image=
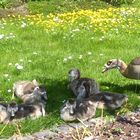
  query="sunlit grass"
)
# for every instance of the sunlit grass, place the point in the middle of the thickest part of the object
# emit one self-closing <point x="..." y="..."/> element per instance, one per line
<point x="46" y="53"/>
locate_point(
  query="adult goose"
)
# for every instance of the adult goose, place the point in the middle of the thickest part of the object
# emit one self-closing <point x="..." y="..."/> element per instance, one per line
<point x="132" y="70"/>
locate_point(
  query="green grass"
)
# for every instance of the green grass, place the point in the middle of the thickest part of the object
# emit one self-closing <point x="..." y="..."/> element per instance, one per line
<point x="47" y="50"/>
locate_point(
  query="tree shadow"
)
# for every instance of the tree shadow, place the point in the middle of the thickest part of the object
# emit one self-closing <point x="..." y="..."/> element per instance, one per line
<point x="57" y="92"/>
<point x="122" y="89"/>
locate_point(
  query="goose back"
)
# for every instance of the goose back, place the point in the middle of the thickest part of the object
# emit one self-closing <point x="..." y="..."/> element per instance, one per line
<point x="133" y="69"/>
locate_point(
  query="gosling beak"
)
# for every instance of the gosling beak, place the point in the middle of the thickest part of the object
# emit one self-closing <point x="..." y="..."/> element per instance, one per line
<point x="44" y="96"/>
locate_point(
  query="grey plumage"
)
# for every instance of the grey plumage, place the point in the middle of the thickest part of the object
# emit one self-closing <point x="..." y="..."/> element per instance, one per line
<point x="86" y="108"/>
<point x="7" y="111"/>
<point x="109" y="100"/>
<point x="34" y="98"/>
<point x="74" y="110"/>
<point x="81" y="87"/>
<point x="28" y="110"/>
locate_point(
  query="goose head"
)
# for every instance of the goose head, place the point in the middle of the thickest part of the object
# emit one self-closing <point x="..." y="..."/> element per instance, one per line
<point x="111" y="64"/>
<point x="73" y="74"/>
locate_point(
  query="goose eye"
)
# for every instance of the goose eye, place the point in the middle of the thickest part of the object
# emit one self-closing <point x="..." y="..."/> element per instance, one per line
<point x="109" y="62"/>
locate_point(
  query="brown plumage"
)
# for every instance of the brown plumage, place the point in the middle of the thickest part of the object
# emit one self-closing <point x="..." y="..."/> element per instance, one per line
<point x="132" y="70"/>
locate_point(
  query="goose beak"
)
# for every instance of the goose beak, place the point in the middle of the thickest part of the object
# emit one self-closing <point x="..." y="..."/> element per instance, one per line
<point x="105" y="69"/>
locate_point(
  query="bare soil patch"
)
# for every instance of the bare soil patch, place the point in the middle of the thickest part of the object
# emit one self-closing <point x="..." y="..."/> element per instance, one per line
<point x="19" y="10"/>
<point x="120" y="128"/>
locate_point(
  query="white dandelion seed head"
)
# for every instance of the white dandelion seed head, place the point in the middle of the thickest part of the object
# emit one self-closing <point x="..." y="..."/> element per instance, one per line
<point x="21" y="60"/>
<point x="1" y="36"/>
<point x="7" y="37"/>
<point x="76" y="30"/>
<point x="23" y="25"/>
<point x="6" y="75"/>
<point x="35" y="53"/>
<point x="56" y="19"/>
<point x="8" y="79"/>
<point x="65" y="60"/>
<point x="10" y="64"/>
<point x="80" y="56"/>
<point x="9" y="90"/>
<point x="93" y="61"/>
<point x="19" y="67"/>
<point x="29" y="61"/>
<point x="70" y="57"/>
<point x="89" y="53"/>
<point x="16" y="64"/>
<point x="11" y="34"/>
<point x="101" y="54"/>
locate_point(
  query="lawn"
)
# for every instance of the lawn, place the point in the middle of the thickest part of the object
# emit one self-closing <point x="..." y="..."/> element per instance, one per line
<point x="47" y="45"/>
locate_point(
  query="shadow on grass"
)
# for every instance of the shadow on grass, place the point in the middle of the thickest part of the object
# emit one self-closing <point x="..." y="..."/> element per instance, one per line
<point x="57" y="92"/>
<point x="122" y="89"/>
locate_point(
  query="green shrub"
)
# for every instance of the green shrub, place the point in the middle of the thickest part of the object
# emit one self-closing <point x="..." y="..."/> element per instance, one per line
<point x="119" y="2"/>
<point x="11" y="3"/>
<point x="3" y="3"/>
